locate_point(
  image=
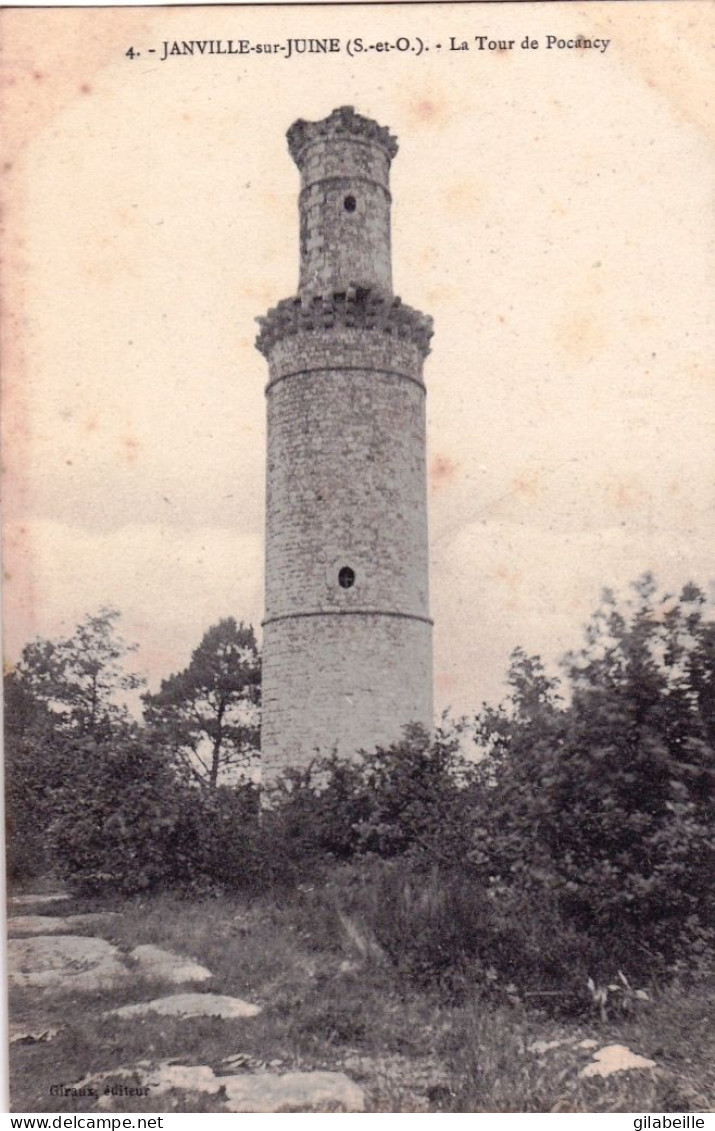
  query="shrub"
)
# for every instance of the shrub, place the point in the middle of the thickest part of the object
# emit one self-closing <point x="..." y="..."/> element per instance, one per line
<point x="408" y="799"/>
<point x="131" y="824"/>
<point x="37" y="761"/>
<point x="116" y="818"/>
<point x="443" y="930"/>
<point x="216" y="842"/>
<point x="416" y="800"/>
<point x="313" y="813"/>
<point x="604" y="805"/>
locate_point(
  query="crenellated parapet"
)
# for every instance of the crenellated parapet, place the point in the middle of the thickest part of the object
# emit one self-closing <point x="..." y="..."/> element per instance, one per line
<point x="342" y="124"/>
<point x="355" y="308"/>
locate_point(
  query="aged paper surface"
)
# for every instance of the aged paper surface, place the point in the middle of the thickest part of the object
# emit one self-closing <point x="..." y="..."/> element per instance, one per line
<point x="552" y="212"/>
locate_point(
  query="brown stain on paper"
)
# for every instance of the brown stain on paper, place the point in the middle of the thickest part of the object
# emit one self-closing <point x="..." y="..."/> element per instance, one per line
<point x="426" y="110"/>
<point x="131" y="447"/>
<point x="627" y="494"/>
<point x="581" y="336"/>
<point x="465" y="197"/>
<point x="442" y="472"/>
<point x="671" y="54"/>
<point x="429" y="110"/>
<point x="528" y="485"/>
<point x="49" y="59"/>
<point x="444" y="683"/>
<point x="512" y="581"/>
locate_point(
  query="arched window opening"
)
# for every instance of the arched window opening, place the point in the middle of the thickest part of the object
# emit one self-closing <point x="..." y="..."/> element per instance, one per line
<point x="346" y="577"/>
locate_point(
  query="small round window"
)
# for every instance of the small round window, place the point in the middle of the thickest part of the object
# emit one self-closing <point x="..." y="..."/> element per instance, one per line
<point x="346" y="577"/>
<point x="350" y="204"/>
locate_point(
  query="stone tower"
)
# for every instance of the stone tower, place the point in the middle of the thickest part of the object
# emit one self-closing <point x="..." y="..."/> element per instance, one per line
<point x="347" y="655"/>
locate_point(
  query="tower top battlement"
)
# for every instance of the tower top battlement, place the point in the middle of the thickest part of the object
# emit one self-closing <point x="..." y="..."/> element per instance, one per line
<point x="354" y="310"/>
<point x="341" y="125"/>
<point x="344" y="162"/>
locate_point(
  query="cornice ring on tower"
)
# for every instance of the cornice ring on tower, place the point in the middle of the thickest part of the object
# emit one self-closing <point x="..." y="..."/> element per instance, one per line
<point x="346" y="613"/>
<point x="361" y="309"/>
<point x="345" y="180"/>
<point x="330" y="369"/>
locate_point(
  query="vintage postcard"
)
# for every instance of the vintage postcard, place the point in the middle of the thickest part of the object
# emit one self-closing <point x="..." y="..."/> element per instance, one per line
<point x="357" y="400"/>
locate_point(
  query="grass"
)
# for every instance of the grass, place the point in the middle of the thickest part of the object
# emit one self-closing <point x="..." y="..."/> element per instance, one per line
<point x="329" y="1001"/>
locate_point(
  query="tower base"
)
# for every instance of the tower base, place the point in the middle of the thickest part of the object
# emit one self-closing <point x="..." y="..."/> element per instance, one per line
<point x="342" y="682"/>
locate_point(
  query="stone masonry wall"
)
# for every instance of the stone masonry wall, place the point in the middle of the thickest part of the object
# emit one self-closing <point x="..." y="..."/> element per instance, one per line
<point x="330" y="209"/>
<point x="345" y="487"/>
<point x="347" y="656"/>
<point x="344" y="213"/>
<point x="342" y="683"/>
<point x="365" y="510"/>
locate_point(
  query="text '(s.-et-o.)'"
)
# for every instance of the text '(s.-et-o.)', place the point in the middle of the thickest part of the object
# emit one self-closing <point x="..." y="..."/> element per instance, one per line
<point x="356" y="46"/>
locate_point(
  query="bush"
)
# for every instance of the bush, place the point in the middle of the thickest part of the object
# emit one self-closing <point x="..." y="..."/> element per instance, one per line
<point x="603" y="806"/>
<point x="216" y="843"/>
<point x="312" y="814"/>
<point x="36" y="765"/>
<point x="417" y="800"/>
<point x="408" y="799"/>
<point x="116" y="820"/>
<point x="443" y="928"/>
<point x="133" y="825"/>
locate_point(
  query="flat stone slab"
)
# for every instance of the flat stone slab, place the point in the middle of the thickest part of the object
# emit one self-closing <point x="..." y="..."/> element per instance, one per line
<point x="260" y="1092"/>
<point x="615" y="1058"/>
<point x="80" y="962"/>
<point x="67" y="961"/>
<point x="21" y="1035"/>
<point x="47" y="924"/>
<point x="28" y="900"/>
<point x="271" y="1092"/>
<point x="157" y="963"/>
<point x="190" y="1005"/>
<point x="540" y="1047"/>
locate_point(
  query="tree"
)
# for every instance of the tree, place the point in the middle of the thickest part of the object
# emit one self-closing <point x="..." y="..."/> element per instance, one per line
<point x="35" y="768"/>
<point x="639" y="782"/>
<point x="116" y="828"/>
<point x="416" y="798"/>
<point x="59" y="692"/>
<point x="606" y="802"/>
<point x="208" y="715"/>
<point x="516" y="807"/>
<point x="79" y="679"/>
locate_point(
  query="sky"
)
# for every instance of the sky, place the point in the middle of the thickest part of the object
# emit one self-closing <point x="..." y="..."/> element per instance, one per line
<point x="552" y="210"/>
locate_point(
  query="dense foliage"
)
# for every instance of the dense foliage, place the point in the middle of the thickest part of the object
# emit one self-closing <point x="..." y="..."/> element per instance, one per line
<point x="605" y="802"/>
<point x="572" y="839"/>
<point x="60" y="693"/>
<point x="578" y="841"/>
<point x="79" y="678"/>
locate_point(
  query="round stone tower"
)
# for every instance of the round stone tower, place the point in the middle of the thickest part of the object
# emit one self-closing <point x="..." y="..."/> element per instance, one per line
<point x="347" y="653"/>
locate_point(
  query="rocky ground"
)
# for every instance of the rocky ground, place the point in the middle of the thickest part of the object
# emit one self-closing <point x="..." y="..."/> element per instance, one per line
<point x="173" y="1006"/>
